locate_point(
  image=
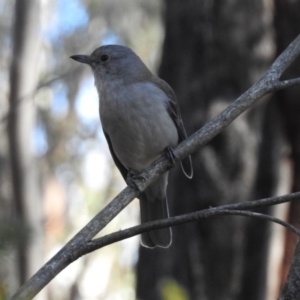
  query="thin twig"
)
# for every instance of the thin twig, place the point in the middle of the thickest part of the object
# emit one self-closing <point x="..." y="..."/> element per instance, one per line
<point x="262" y="217"/>
<point x="269" y="83"/>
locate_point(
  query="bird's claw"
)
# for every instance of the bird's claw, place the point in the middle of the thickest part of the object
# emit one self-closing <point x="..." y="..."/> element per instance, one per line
<point x="131" y="180"/>
<point x="171" y="156"/>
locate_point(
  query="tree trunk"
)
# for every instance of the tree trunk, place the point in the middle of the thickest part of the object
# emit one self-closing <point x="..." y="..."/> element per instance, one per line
<point x="287" y="24"/>
<point x="23" y="80"/>
<point x="214" y="51"/>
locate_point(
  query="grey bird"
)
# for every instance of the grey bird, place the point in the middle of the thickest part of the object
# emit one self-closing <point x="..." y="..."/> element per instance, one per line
<point x="140" y="119"/>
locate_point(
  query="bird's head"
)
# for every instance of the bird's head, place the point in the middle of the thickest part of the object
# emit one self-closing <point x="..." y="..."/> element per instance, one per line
<point x="115" y="62"/>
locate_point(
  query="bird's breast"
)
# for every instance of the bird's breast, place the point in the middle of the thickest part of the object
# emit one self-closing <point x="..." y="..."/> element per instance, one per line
<point x="138" y="124"/>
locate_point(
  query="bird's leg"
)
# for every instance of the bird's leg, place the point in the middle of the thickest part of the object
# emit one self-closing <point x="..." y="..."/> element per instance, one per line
<point x="130" y="180"/>
<point x="171" y="155"/>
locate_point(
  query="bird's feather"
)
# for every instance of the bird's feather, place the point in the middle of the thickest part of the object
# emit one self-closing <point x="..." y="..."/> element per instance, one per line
<point x="174" y="112"/>
<point x="119" y="165"/>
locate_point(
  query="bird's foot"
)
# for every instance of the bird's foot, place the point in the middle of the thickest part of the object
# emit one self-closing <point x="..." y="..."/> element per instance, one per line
<point x="131" y="180"/>
<point x="171" y="156"/>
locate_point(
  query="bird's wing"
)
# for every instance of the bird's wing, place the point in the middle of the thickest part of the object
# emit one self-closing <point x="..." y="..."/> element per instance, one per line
<point x="174" y="112"/>
<point x="121" y="167"/>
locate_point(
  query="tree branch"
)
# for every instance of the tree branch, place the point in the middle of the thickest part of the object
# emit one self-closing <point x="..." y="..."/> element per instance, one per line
<point x="269" y="83"/>
<point x="230" y="209"/>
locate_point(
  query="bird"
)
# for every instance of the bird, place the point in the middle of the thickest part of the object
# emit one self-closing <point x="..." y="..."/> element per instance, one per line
<point x="141" y="120"/>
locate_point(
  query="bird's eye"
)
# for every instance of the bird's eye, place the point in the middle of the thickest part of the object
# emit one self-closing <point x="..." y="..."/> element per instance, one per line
<point x="104" y="57"/>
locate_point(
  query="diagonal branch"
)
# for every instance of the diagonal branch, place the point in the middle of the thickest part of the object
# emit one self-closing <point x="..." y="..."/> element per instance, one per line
<point x="269" y="83"/>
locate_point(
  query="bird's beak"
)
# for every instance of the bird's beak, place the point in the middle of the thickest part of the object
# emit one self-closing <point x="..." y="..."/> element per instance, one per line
<point x="85" y="59"/>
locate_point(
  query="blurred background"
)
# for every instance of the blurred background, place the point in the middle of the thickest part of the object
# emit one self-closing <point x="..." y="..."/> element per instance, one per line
<point x="56" y="172"/>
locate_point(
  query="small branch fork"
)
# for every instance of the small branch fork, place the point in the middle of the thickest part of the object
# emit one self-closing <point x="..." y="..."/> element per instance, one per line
<point x="269" y="83"/>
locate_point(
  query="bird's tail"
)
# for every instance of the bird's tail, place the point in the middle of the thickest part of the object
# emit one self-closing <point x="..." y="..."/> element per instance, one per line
<point x="154" y="206"/>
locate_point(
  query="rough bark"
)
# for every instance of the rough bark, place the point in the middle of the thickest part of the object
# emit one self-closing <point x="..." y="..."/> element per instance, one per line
<point x="291" y="288"/>
<point x="212" y="52"/>
<point x="21" y="122"/>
